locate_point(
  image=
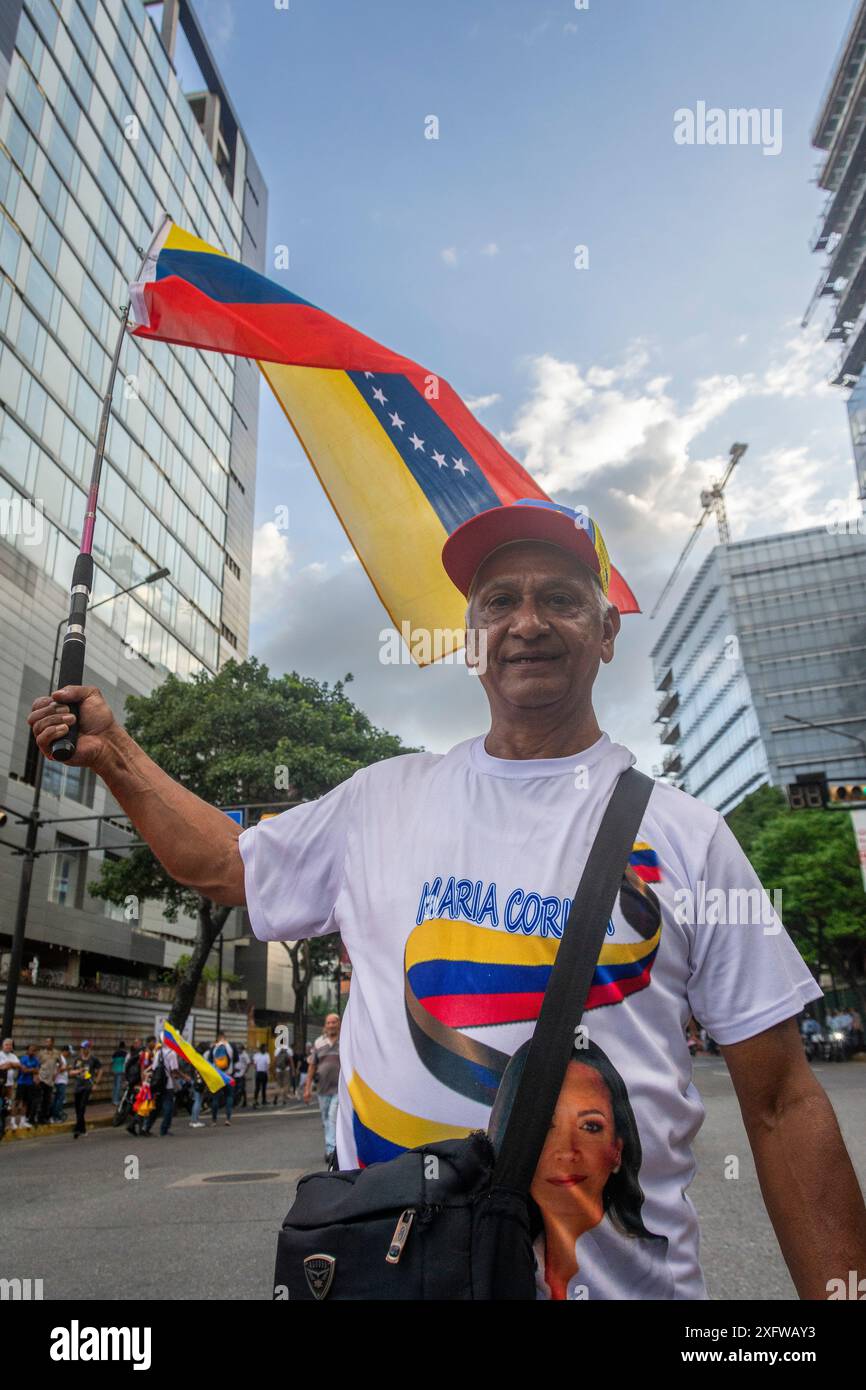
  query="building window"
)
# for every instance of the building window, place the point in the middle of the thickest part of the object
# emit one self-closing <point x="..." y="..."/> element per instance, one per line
<point x="75" y="783"/>
<point x="229" y="635"/>
<point x="115" y="912"/>
<point x="233" y="566"/>
<point x="68" y="872"/>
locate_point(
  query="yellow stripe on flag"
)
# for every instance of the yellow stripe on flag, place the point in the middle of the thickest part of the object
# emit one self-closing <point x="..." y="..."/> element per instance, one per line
<point x="392" y="527"/>
<point x="179" y="240"/>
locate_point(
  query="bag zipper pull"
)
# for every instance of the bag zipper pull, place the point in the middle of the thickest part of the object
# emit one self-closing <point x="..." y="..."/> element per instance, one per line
<point x="401" y="1232"/>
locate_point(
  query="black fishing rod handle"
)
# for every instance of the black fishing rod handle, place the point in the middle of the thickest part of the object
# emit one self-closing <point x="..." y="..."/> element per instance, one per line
<point x="72" y="654"/>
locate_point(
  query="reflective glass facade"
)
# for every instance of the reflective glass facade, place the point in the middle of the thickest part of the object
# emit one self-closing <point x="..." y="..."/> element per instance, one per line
<point x="768" y="628"/>
<point x="99" y="132"/>
<point x="95" y="138"/>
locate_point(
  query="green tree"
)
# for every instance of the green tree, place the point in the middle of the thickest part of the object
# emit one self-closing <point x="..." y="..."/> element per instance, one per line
<point x="756" y="810"/>
<point x="236" y="738"/>
<point x="812" y="857"/>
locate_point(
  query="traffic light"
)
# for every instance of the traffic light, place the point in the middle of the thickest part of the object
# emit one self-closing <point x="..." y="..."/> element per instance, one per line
<point x="847" y="793"/>
<point x="809" y="792"/>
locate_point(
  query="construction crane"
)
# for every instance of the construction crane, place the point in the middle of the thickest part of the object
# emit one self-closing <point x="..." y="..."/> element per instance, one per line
<point x="712" y="501"/>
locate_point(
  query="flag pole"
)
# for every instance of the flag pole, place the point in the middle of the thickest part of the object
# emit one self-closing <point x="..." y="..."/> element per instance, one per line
<point x="74" y="640"/>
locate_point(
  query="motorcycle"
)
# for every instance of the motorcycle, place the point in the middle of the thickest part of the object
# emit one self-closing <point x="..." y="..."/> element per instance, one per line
<point x="815" y="1044"/>
<point x="840" y="1045"/>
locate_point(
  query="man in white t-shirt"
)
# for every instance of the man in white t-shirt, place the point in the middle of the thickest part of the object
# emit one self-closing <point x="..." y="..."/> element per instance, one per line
<point x="9" y="1065"/>
<point x="449" y="878"/>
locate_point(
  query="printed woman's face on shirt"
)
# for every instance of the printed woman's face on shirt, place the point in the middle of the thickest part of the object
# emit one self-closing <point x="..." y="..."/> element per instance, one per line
<point x="580" y="1152"/>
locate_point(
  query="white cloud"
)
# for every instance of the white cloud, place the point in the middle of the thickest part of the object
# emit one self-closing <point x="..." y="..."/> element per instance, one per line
<point x="272" y="558"/>
<point x="477" y="403"/>
<point x="449" y="255"/>
<point x="491" y="249"/>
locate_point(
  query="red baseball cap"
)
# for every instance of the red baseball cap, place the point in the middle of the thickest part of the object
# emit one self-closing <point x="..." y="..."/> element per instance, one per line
<point x="528" y="519"/>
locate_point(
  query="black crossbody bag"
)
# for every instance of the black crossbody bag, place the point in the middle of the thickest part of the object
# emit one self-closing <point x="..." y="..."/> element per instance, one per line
<point x="451" y="1220"/>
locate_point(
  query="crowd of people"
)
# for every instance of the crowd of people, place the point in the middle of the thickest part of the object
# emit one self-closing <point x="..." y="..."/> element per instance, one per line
<point x="150" y="1081"/>
<point x="35" y="1083"/>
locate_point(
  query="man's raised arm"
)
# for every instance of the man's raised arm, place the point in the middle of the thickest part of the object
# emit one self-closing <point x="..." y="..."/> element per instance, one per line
<point x="196" y="844"/>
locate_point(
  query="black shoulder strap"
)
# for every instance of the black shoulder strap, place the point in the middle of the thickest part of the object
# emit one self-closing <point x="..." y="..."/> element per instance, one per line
<point x="569" y="983"/>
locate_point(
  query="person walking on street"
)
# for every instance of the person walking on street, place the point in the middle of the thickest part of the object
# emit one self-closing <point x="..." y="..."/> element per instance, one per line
<point x="262" y="1064"/>
<point x="241" y="1067"/>
<point x="84" y="1073"/>
<point x="195" y="1122"/>
<point x="9" y="1065"/>
<point x="118" y="1064"/>
<point x="28" y="1088"/>
<point x="134" y="1067"/>
<point x="224" y="1055"/>
<point x="297" y="1071"/>
<point x="325" y="1068"/>
<point x="282" y="1074"/>
<point x="164" y="1084"/>
<point x="61" y="1081"/>
<point x="47" y="1074"/>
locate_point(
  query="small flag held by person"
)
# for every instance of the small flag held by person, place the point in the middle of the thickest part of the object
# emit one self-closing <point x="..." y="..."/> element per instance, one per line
<point x="214" y="1077"/>
<point x="402" y="459"/>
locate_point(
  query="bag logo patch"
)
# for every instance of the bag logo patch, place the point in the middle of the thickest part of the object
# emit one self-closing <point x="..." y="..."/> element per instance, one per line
<point x="319" y="1270"/>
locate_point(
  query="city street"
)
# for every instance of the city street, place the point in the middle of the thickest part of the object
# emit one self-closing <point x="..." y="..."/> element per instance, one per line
<point x="201" y="1219"/>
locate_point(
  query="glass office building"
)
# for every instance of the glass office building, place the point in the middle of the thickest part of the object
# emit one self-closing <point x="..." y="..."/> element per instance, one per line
<point x="840" y="132"/>
<point x="767" y="629"/>
<point x="113" y="111"/>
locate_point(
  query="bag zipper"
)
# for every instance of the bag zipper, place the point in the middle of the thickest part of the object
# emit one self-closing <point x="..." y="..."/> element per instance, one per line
<point x="400" y="1236"/>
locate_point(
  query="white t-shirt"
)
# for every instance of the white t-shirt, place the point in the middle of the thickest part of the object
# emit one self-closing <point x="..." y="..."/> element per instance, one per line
<point x="9" y="1074"/>
<point x="450" y="878"/>
<point x="262" y="1061"/>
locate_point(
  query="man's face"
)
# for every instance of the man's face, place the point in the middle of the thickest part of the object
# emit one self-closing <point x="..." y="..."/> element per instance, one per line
<point x="332" y="1026"/>
<point x="545" y="633"/>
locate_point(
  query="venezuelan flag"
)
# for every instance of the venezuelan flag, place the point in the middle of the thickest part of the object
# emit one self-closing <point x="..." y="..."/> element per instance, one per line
<point x="400" y="456"/>
<point x="214" y="1077"/>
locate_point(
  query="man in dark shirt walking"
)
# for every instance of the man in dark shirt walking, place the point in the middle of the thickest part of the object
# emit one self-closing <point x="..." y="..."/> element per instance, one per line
<point x="325" y="1065"/>
<point x="84" y="1072"/>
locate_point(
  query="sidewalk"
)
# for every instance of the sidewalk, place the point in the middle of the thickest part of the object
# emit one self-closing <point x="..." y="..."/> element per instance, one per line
<point x="99" y="1114"/>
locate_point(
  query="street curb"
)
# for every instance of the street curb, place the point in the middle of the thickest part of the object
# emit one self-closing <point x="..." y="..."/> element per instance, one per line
<point x="105" y="1122"/>
<point x="43" y="1131"/>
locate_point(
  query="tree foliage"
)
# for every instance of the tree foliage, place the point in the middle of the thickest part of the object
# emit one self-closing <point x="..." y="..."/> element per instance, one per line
<point x="236" y="738"/>
<point x="811" y="856"/>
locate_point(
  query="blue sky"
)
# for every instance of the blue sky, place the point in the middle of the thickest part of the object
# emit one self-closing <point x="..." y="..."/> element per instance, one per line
<point x="620" y="386"/>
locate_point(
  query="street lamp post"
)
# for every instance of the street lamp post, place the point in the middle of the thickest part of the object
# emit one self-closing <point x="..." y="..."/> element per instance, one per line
<point x="840" y="733"/>
<point x="17" y="952"/>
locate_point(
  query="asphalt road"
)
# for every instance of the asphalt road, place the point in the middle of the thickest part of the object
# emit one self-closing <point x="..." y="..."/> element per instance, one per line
<point x="739" y="1252"/>
<point x="69" y="1214"/>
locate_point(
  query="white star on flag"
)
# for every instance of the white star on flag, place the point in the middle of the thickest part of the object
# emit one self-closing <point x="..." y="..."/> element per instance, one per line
<point x="460" y="467"/>
<point x="396" y="421"/>
<point x="416" y="442"/>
